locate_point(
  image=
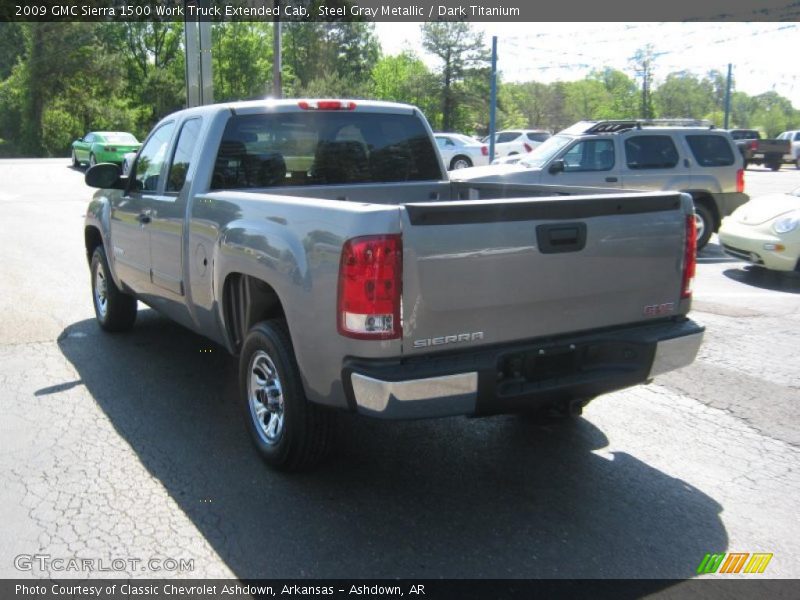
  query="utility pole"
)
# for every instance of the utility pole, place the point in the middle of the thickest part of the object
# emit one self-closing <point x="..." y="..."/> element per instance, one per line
<point x="728" y="95"/>
<point x="493" y="99"/>
<point x="197" y="36"/>
<point x="277" y="84"/>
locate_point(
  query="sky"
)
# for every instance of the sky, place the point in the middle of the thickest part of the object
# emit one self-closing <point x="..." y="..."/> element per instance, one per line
<point x="764" y="55"/>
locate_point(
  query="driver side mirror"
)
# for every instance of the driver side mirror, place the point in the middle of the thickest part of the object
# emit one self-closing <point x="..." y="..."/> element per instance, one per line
<point x="105" y="176"/>
<point x="557" y="166"/>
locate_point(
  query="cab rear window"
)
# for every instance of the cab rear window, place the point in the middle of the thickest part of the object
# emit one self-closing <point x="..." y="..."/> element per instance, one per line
<point x="323" y="148"/>
<point x="711" y="150"/>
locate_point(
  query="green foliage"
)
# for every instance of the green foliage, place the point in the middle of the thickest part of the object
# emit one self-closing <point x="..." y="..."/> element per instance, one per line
<point x="462" y="52"/>
<point x="60" y="80"/>
<point x="242" y="60"/>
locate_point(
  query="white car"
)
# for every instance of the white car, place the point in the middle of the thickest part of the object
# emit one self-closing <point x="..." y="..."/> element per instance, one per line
<point x="461" y="151"/>
<point x="517" y="141"/>
<point x="765" y="231"/>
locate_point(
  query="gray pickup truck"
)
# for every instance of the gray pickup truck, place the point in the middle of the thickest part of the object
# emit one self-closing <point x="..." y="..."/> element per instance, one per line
<point x="323" y="243"/>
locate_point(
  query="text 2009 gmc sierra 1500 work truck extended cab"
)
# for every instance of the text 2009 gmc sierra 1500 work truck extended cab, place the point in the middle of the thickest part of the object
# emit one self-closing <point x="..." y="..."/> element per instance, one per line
<point x="322" y="242"/>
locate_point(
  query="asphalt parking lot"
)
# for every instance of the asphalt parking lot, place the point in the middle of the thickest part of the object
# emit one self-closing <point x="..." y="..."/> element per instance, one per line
<point x="131" y="446"/>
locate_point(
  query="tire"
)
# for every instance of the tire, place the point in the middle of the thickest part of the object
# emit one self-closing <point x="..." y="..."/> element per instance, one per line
<point x="115" y="310"/>
<point x="92" y="161"/>
<point x="797" y="163"/>
<point x="705" y="224"/>
<point x="775" y="166"/>
<point x="744" y="164"/>
<point x="460" y="162"/>
<point x="75" y="162"/>
<point x="290" y="433"/>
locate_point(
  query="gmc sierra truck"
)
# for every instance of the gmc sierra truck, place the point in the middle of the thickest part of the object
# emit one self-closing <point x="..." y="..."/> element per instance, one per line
<point x="322" y="242"/>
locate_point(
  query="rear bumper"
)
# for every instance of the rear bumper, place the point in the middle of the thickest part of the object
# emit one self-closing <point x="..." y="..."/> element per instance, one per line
<point x="522" y="376"/>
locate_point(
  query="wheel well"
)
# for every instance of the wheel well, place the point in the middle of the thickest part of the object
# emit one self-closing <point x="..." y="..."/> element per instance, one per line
<point x="457" y="156"/>
<point x="93" y="239"/>
<point x="246" y="301"/>
<point x="707" y="202"/>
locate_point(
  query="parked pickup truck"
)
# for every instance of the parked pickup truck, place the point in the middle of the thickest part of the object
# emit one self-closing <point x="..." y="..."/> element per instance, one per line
<point x="323" y="243"/>
<point x="757" y="151"/>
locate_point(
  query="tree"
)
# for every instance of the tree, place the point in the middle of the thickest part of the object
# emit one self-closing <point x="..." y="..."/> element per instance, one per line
<point x="643" y="65"/>
<point x="460" y="50"/>
<point x="405" y="78"/>
<point x="242" y="60"/>
<point x="684" y="95"/>
<point x="338" y="51"/>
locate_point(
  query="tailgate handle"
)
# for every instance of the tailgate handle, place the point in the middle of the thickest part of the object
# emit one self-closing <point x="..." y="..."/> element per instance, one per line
<point x="563" y="237"/>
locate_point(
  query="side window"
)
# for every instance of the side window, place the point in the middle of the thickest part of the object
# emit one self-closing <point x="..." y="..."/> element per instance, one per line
<point x="89" y="139"/>
<point x="711" y="150"/>
<point x="147" y="169"/>
<point x="590" y="155"/>
<point x="538" y="137"/>
<point x="187" y="139"/>
<point x="508" y="136"/>
<point x="797" y="136"/>
<point x="651" y="152"/>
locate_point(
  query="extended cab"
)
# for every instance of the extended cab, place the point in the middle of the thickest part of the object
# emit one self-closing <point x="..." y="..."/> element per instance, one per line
<point x="636" y="155"/>
<point x="323" y="243"/>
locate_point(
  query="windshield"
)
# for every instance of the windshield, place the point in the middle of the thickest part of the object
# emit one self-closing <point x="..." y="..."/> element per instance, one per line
<point x="464" y="139"/>
<point x="540" y="155"/>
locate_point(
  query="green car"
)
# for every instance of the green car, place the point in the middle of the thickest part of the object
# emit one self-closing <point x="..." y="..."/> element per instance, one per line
<point x="103" y="147"/>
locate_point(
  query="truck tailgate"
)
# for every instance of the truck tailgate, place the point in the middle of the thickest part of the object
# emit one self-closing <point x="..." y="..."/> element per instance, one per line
<point x="483" y="272"/>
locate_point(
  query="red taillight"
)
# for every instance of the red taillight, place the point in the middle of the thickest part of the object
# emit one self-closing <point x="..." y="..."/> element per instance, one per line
<point x="527" y="147"/>
<point x="689" y="258"/>
<point x="740" y="181"/>
<point x="753" y="145"/>
<point x="484" y="150"/>
<point x="326" y="105"/>
<point x="370" y="281"/>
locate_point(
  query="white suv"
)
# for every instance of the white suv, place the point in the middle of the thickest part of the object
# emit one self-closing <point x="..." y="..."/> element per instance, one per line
<point x="516" y="141"/>
<point x="701" y="161"/>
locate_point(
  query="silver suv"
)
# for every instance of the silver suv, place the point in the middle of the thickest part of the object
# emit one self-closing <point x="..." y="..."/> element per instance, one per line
<point x="640" y="155"/>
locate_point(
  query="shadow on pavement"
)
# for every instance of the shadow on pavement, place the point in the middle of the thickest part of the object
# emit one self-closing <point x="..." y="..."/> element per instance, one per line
<point x="712" y="253"/>
<point x="776" y="281"/>
<point x="454" y="498"/>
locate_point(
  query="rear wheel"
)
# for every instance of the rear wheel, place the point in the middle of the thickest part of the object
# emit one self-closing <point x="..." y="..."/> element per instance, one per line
<point x="775" y="166"/>
<point x="704" y="222"/>
<point x="460" y="162"/>
<point x="115" y="310"/>
<point x="290" y="433"/>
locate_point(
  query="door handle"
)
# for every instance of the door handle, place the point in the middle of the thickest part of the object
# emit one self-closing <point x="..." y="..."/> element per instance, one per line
<point x="611" y="179"/>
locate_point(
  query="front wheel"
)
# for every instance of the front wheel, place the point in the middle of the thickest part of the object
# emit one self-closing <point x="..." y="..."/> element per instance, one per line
<point x="115" y="310"/>
<point x="75" y="162"/>
<point x="704" y="222"/>
<point x="290" y="433"/>
<point x="92" y="161"/>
